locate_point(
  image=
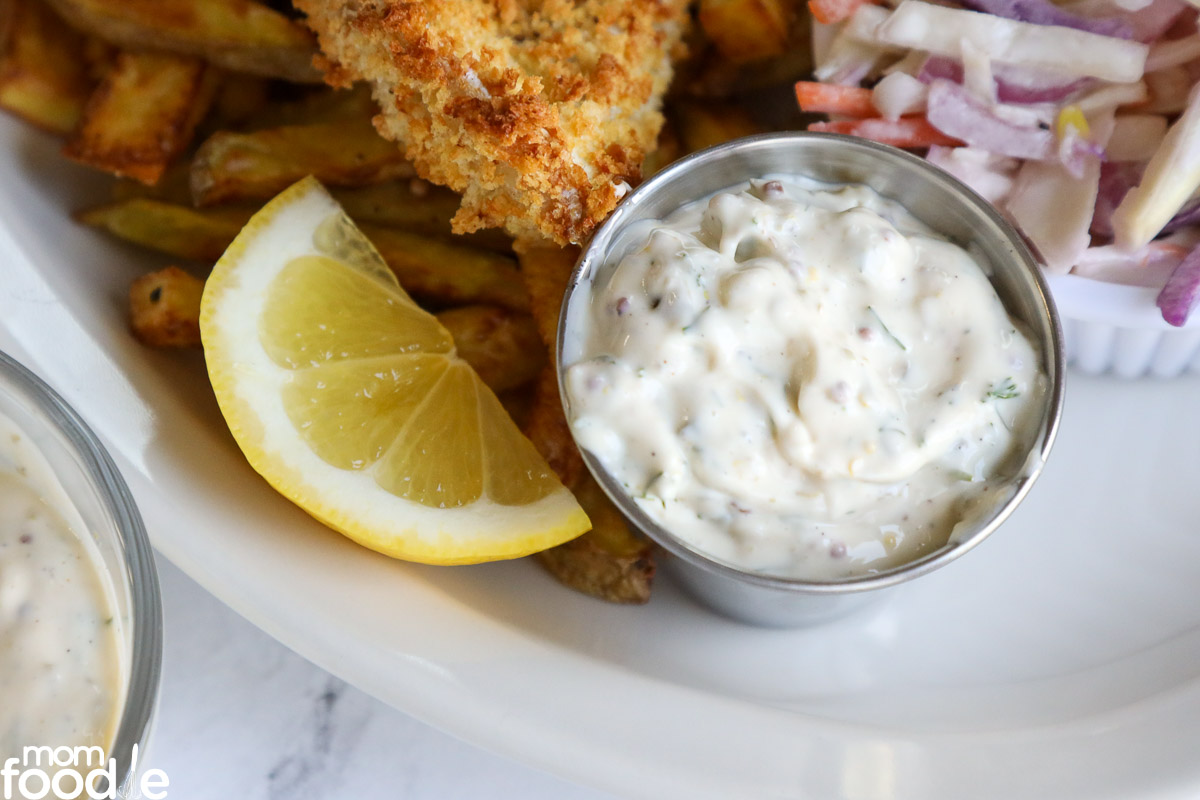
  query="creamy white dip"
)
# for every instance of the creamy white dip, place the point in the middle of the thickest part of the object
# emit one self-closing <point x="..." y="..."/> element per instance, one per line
<point x="60" y="657"/>
<point x="802" y="380"/>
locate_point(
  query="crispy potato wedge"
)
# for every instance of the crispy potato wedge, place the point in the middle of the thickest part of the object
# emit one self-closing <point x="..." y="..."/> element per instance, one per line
<point x="418" y="206"/>
<point x="746" y="30"/>
<point x="164" y="308"/>
<point x="180" y="231"/>
<point x="547" y="428"/>
<point x="238" y="35"/>
<point x="518" y="402"/>
<point x="502" y="345"/>
<point x="98" y="57"/>
<point x="395" y="204"/>
<point x="546" y="268"/>
<point x="231" y="167"/>
<point x="668" y="149"/>
<point x="173" y="187"/>
<point x="142" y="115"/>
<point x="611" y="561"/>
<point x="708" y="73"/>
<point x="442" y="274"/>
<point x="42" y="78"/>
<point x="322" y="104"/>
<point x="702" y="125"/>
<point x="238" y="100"/>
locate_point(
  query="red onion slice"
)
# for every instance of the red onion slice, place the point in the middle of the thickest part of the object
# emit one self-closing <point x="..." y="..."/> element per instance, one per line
<point x="1182" y="290"/>
<point x="956" y="112"/>
<point x="1013" y="85"/>
<point x="1041" y="12"/>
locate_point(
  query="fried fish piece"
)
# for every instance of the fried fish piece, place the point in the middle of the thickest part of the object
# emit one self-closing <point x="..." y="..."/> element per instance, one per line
<point x="538" y="111"/>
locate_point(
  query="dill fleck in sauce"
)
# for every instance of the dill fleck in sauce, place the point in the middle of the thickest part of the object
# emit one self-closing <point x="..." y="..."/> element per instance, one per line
<point x="803" y="380"/>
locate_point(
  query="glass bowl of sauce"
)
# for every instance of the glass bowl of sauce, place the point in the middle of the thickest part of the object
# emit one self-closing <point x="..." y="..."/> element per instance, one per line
<point x="811" y="368"/>
<point x="80" y="610"/>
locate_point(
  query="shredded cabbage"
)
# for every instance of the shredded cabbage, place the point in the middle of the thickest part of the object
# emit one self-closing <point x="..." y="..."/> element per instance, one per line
<point x="1079" y="120"/>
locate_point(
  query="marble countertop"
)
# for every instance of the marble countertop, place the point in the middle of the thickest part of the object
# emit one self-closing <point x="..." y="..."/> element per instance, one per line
<point x="240" y="715"/>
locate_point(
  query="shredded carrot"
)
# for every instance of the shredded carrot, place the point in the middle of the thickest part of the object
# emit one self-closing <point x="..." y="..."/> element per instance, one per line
<point x="908" y="132"/>
<point x="828" y="98"/>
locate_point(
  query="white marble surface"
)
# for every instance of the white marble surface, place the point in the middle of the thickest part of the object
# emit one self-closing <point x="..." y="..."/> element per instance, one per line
<point x="241" y="716"/>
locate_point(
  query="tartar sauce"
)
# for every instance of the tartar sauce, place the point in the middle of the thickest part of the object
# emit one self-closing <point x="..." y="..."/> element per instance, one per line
<point x="803" y="380"/>
<point x="60" y="664"/>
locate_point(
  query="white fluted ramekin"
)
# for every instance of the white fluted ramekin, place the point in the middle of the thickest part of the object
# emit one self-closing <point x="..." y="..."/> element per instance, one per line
<point x="1110" y="328"/>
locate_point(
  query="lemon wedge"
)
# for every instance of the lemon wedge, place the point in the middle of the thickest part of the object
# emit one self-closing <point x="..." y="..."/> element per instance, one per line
<point x="350" y="400"/>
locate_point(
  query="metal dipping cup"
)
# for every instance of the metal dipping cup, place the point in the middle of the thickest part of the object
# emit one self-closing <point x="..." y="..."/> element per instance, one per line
<point x="934" y="197"/>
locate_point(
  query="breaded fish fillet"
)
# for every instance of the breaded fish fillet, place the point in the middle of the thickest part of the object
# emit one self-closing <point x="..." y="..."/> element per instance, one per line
<point x="538" y="111"/>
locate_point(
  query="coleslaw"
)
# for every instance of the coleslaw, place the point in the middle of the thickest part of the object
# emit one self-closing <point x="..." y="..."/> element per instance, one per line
<point x="1079" y="121"/>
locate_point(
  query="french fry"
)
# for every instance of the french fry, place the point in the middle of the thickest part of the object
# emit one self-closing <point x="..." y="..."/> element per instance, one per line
<point x="322" y="104"/>
<point x="179" y="231"/>
<point x="427" y="210"/>
<point x="164" y="308"/>
<point x="707" y="73"/>
<point x="142" y="115"/>
<point x="611" y="561"/>
<point x="42" y="78"/>
<point x="444" y="274"/>
<point x="238" y="35"/>
<point x="231" y="167"/>
<point x="98" y="57"/>
<point x="500" y="344"/>
<point x="667" y="149"/>
<point x="518" y="402"/>
<point x="547" y="429"/>
<point x="173" y="187"/>
<point x="746" y="30"/>
<point x="702" y="125"/>
<point x="546" y="268"/>
<point x="238" y="100"/>
<point x="414" y="205"/>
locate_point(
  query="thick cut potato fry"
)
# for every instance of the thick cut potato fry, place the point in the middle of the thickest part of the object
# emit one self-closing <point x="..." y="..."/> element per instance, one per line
<point x="702" y="125"/>
<point x="173" y="187"/>
<point x="746" y="30"/>
<point x="501" y="345"/>
<point x="713" y="77"/>
<point x="545" y="269"/>
<point x="518" y="402"/>
<point x="42" y="78"/>
<point x="414" y="205"/>
<point x="180" y="231"/>
<point x="547" y="429"/>
<point x="142" y="115"/>
<point x="230" y="166"/>
<point x="427" y="210"/>
<point x="611" y="561"/>
<point x="238" y="35"/>
<point x="164" y="308"/>
<point x="238" y="100"/>
<point x="667" y="150"/>
<point x="322" y="104"/>
<point x="444" y="274"/>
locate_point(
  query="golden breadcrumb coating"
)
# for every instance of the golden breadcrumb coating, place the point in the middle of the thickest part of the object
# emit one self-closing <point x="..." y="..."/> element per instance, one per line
<point x="538" y="111"/>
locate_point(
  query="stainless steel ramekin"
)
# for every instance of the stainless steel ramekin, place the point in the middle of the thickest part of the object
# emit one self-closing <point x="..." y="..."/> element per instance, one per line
<point x="934" y="197"/>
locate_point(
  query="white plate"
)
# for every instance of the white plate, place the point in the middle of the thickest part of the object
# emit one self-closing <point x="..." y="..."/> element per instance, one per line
<point x="1058" y="660"/>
